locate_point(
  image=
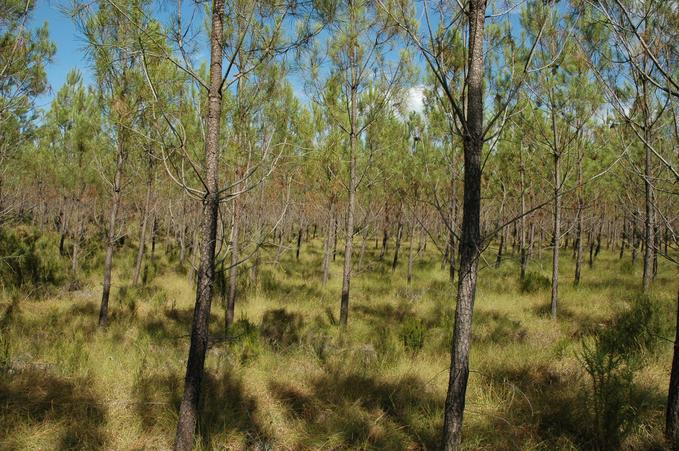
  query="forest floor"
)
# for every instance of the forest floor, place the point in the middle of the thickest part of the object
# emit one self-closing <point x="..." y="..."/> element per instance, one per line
<point x="288" y="378"/>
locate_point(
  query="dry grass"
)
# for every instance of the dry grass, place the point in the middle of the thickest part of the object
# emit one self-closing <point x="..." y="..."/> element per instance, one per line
<point x="68" y="385"/>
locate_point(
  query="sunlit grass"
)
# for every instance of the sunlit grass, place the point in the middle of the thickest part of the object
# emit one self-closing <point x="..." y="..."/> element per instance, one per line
<point x="379" y="384"/>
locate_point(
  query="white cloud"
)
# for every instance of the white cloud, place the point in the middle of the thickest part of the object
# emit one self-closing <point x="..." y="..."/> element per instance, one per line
<point x="415" y="99"/>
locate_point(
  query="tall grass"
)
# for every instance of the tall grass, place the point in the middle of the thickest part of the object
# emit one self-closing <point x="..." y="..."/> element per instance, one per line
<point x="286" y="377"/>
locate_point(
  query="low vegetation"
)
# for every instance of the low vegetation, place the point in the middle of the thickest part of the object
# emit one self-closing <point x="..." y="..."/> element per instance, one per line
<point x="287" y="377"/>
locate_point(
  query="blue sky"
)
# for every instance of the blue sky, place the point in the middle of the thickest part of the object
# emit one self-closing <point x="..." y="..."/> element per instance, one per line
<point x="69" y="46"/>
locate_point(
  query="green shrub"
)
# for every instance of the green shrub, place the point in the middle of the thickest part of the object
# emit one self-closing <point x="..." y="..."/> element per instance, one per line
<point x="534" y="281"/>
<point x="413" y="331"/>
<point x="246" y="344"/>
<point x="280" y="328"/>
<point x="611" y="357"/>
<point x="30" y="258"/>
<point x="319" y="339"/>
<point x="608" y="405"/>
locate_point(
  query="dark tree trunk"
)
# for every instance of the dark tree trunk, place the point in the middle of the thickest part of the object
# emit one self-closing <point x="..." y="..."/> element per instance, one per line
<point x="470" y="241"/>
<point x="299" y="243"/>
<point x="397" y="247"/>
<point x="500" y="248"/>
<point x="672" y="413"/>
<point x="188" y="411"/>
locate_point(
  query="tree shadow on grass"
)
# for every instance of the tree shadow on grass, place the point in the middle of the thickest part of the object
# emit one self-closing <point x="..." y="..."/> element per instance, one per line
<point x="225" y="408"/>
<point x="36" y="399"/>
<point x="549" y="408"/>
<point x="360" y="412"/>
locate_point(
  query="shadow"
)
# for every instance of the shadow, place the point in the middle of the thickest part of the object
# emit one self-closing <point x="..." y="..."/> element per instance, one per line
<point x="551" y="409"/>
<point x="33" y="398"/>
<point x="495" y="327"/>
<point x="385" y="313"/>
<point x="157" y="399"/>
<point x="358" y="412"/>
<point x="226" y="409"/>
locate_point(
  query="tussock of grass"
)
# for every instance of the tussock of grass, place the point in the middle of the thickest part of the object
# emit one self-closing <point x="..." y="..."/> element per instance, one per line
<point x="287" y="377"/>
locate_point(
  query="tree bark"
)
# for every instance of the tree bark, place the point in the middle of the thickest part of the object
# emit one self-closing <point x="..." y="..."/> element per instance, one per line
<point x="470" y="241"/>
<point x="233" y="269"/>
<point x="411" y="252"/>
<point x="649" y="223"/>
<point x="144" y="224"/>
<point x="578" y="229"/>
<point x="353" y="128"/>
<point x="397" y="247"/>
<point x="188" y="411"/>
<point x="672" y="412"/>
<point x="111" y="238"/>
<point x="329" y="239"/>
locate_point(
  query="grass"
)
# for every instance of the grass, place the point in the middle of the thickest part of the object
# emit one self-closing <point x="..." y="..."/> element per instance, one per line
<point x="288" y="378"/>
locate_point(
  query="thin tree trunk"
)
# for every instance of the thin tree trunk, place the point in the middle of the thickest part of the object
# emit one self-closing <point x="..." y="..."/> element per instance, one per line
<point x="111" y="238"/>
<point x="556" y="232"/>
<point x="672" y="412"/>
<point x="649" y="223"/>
<point x="329" y="239"/>
<point x="233" y="269"/>
<point x="397" y="247"/>
<point x="411" y="252"/>
<point x="144" y="225"/>
<point x="470" y="242"/>
<point x="299" y="243"/>
<point x="579" y="226"/>
<point x="353" y="128"/>
<point x="188" y="411"/>
<point x="522" y="237"/>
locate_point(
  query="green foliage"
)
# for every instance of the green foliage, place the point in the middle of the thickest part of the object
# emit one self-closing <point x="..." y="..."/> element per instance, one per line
<point x="280" y="328"/>
<point x="413" y="332"/>
<point x="534" y="281"/>
<point x="30" y="258"/>
<point x="611" y="358"/>
<point x="246" y="344"/>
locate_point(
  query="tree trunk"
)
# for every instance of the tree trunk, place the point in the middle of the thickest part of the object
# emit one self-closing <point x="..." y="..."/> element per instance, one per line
<point x="397" y="247"/>
<point x="299" y="243"/>
<point x="672" y="413"/>
<point x="111" y="238"/>
<point x="353" y="128"/>
<point x="556" y="236"/>
<point x="500" y="248"/>
<point x="523" y="252"/>
<point x="411" y="252"/>
<point x="453" y="222"/>
<point x="385" y="241"/>
<point x="233" y="268"/>
<point x="578" y="229"/>
<point x="329" y="239"/>
<point x="470" y="241"/>
<point x="188" y="411"/>
<point x="143" y="226"/>
<point x="649" y="223"/>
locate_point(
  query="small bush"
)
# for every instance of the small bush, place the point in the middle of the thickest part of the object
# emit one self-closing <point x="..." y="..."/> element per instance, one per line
<point x="280" y="328"/>
<point x="534" y="281"/>
<point x="611" y="358"/>
<point x="319" y="339"/>
<point x="30" y="258"/>
<point x="246" y="340"/>
<point x="413" y="331"/>
<point x="611" y="377"/>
